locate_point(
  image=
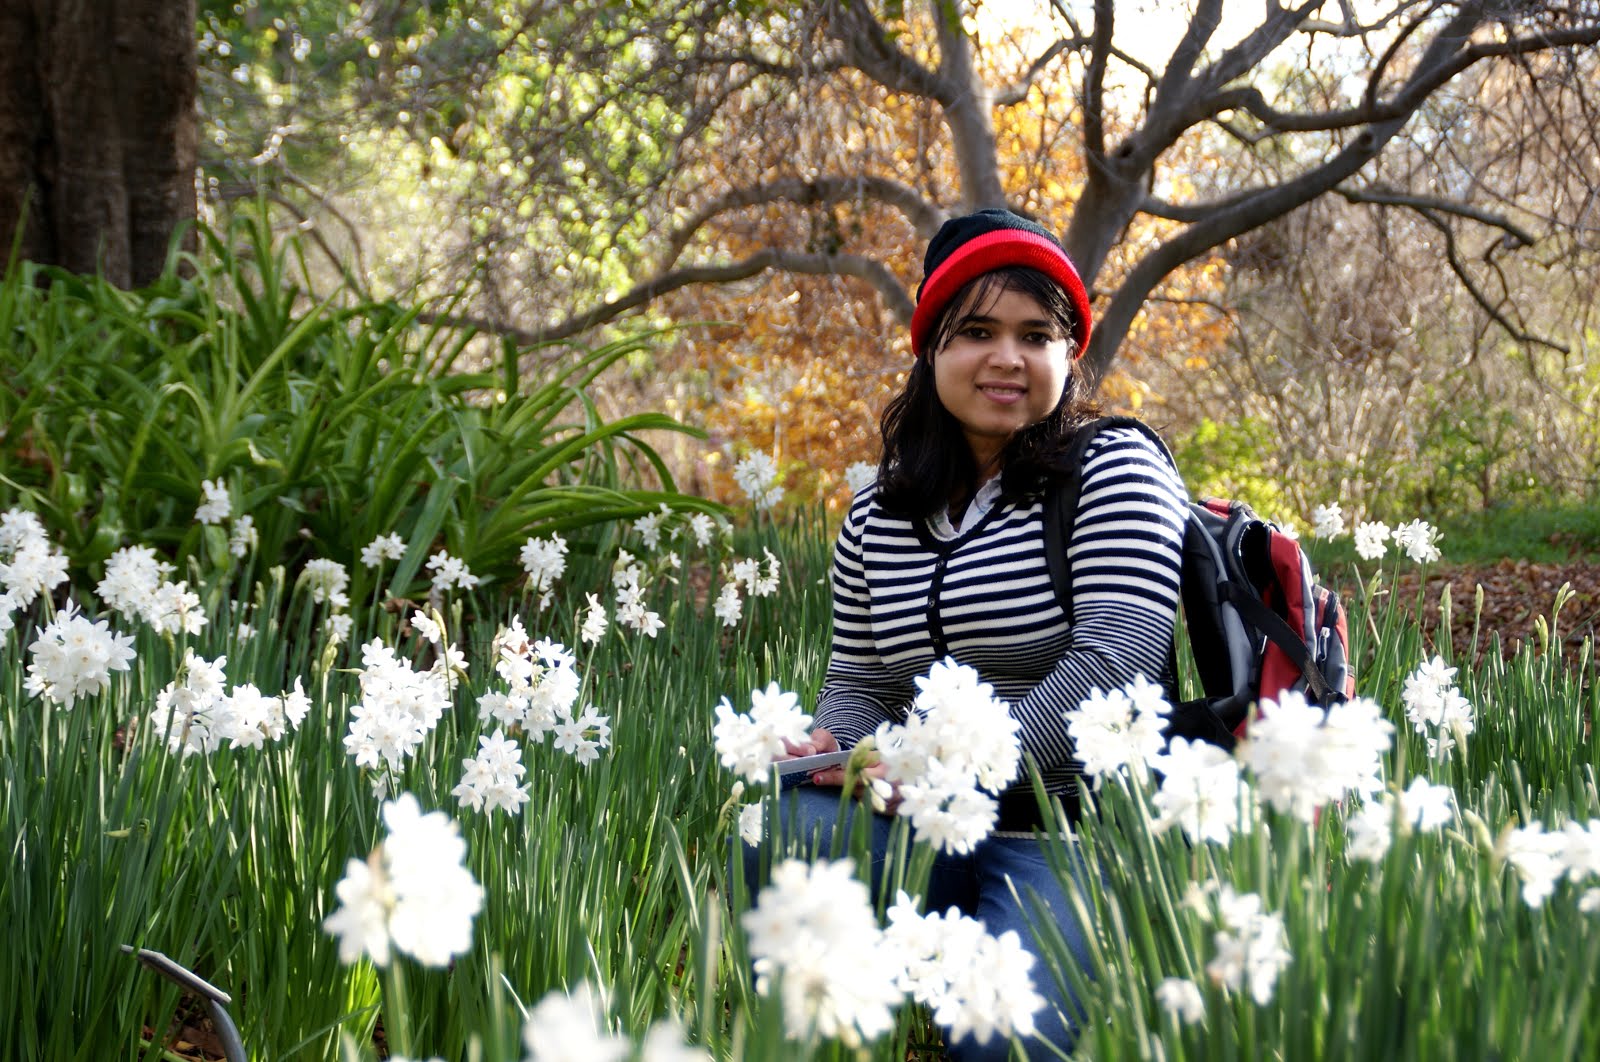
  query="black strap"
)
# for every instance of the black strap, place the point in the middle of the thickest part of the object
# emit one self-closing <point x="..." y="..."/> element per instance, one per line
<point x="1278" y="631"/>
<point x="1061" y="504"/>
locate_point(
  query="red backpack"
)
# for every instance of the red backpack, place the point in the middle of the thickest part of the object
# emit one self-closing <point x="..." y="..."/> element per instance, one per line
<point x="1258" y="622"/>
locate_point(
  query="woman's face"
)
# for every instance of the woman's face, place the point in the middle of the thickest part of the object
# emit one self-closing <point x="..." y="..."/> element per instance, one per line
<point x="1003" y="369"/>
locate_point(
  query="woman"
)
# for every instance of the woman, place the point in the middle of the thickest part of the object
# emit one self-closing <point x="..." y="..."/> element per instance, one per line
<point x="945" y="556"/>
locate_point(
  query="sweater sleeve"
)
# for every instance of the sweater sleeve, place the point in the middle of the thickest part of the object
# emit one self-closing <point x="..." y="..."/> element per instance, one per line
<point x="1126" y="554"/>
<point x="858" y="691"/>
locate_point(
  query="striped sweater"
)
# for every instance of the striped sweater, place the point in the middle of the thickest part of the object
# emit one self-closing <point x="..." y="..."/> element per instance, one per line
<point x="993" y="607"/>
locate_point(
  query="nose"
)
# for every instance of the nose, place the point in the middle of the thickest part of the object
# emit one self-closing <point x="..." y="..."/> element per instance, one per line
<point x="1006" y="353"/>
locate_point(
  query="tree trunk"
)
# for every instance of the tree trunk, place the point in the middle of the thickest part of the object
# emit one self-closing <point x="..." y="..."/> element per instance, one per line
<point x="97" y="132"/>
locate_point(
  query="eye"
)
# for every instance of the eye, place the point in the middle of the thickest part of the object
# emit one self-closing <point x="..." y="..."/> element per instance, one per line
<point x="974" y="331"/>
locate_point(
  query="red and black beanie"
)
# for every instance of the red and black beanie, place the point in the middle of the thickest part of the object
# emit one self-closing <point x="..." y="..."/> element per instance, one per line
<point x="969" y="246"/>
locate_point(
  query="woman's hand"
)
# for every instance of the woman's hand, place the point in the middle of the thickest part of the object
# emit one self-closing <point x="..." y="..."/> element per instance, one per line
<point x="820" y="741"/>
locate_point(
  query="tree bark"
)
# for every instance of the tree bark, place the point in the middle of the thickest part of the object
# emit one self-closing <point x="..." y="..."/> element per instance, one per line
<point x="97" y="132"/>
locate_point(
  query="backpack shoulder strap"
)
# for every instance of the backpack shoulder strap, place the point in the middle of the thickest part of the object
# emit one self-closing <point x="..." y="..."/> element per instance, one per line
<point x="1061" y="501"/>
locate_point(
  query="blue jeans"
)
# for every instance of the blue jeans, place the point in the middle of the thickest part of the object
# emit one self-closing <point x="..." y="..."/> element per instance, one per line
<point x="979" y="885"/>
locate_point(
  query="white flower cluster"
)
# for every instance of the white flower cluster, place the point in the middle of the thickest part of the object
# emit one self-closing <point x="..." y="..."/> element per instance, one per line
<point x="649" y="526"/>
<point x="571" y="1027"/>
<point x="541" y="678"/>
<point x="747" y="744"/>
<point x="383" y="548"/>
<point x="1303" y="757"/>
<point x="545" y="561"/>
<point x="215" y="505"/>
<point x="491" y="777"/>
<point x="1372" y="539"/>
<point x="325" y="580"/>
<point x="1435" y="707"/>
<point x="542" y="687"/>
<point x="757" y="476"/>
<point x="631" y="612"/>
<point x="1417" y="539"/>
<point x="975" y="983"/>
<point x="449" y="572"/>
<point x="813" y="936"/>
<point x="74" y="657"/>
<point x="1113" y="732"/>
<point x="757" y="582"/>
<point x="959" y="740"/>
<point x="860" y="475"/>
<point x="29" y="565"/>
<point x="196" y="713"/>
<point x="595" y="622"/>
<point x="399" y="706"/>
<point x="1250" y="943"/>
<point x="1542" y="859"/>
<point x="1181" y="998"/>
<point x="1327" y="521"/>
<point x="135" y="585"/>
<point x="1201" y="791"/>
<point x="412" y="895"/>
<point x="243" y="536"/>
<point x="1421" y="806"/>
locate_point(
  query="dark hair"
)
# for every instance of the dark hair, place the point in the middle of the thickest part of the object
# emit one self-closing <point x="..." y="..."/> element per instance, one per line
<point x="926" y="460"/>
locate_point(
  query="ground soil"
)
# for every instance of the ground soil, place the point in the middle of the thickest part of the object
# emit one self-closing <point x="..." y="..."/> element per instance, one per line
<point x="1515" y="593"/>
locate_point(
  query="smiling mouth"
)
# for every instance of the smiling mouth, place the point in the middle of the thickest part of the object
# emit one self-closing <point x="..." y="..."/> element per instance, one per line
<point x="1000" y="390"/>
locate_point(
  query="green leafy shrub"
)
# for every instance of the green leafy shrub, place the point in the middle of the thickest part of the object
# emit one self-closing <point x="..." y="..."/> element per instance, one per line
<point x="330" y="423"/>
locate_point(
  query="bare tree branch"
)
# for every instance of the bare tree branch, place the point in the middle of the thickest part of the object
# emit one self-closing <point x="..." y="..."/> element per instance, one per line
<point x="923" y="215"/>
<point x="840" y="265"/>
<point x="1516" y="235"/>
<point x="869" y="49"/>
<point x="1017" y="91"/>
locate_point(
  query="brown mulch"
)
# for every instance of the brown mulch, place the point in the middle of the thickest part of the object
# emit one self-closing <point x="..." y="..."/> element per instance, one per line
<point x="1515" y="592"/>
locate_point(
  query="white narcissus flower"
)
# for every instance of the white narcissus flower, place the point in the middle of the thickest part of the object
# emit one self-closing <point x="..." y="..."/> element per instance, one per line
<point x="1425" y="806"/>
<point x="1116" y="731"/>
<point x="1536" y="855"/>
<point x="1250" y="948"/>
<point x="757" y="476"/>
<point x="413" y="894"/>
<point x="802" y="923"/>
<point x="545" y="561"/>
<point x="426" y="627"/>
<point x="1202" y="791"/>
<point x="1304" y="758"/>
<point x="958" y="739"/>
<point x="594" y="622"/>
<point x="1181" y="998"/>
<point x="490" y="779"/>
<point x="243" y="536"/>
<point x="748" y="743"/>
<point x="860" y="475"/>
<point x="1418" y="539"/>
<point x="976" y="983"/>
<point x="664" y="1043"/>
<point x="326" y="580"/>
<point x="566" y="1027"/>
<point x="74" y="657"/>
<point x="215" y="505"/>
<point x="728" y="607"/>
<point x="703" y="526"/>
<point x="750" y="824"/>
<point x="382" y="548"/>
<point x="1370" y="831"/>
<point x="1327" y="521"/>
<point x="449" y="572"/>
<point x="1372" y="540"/>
